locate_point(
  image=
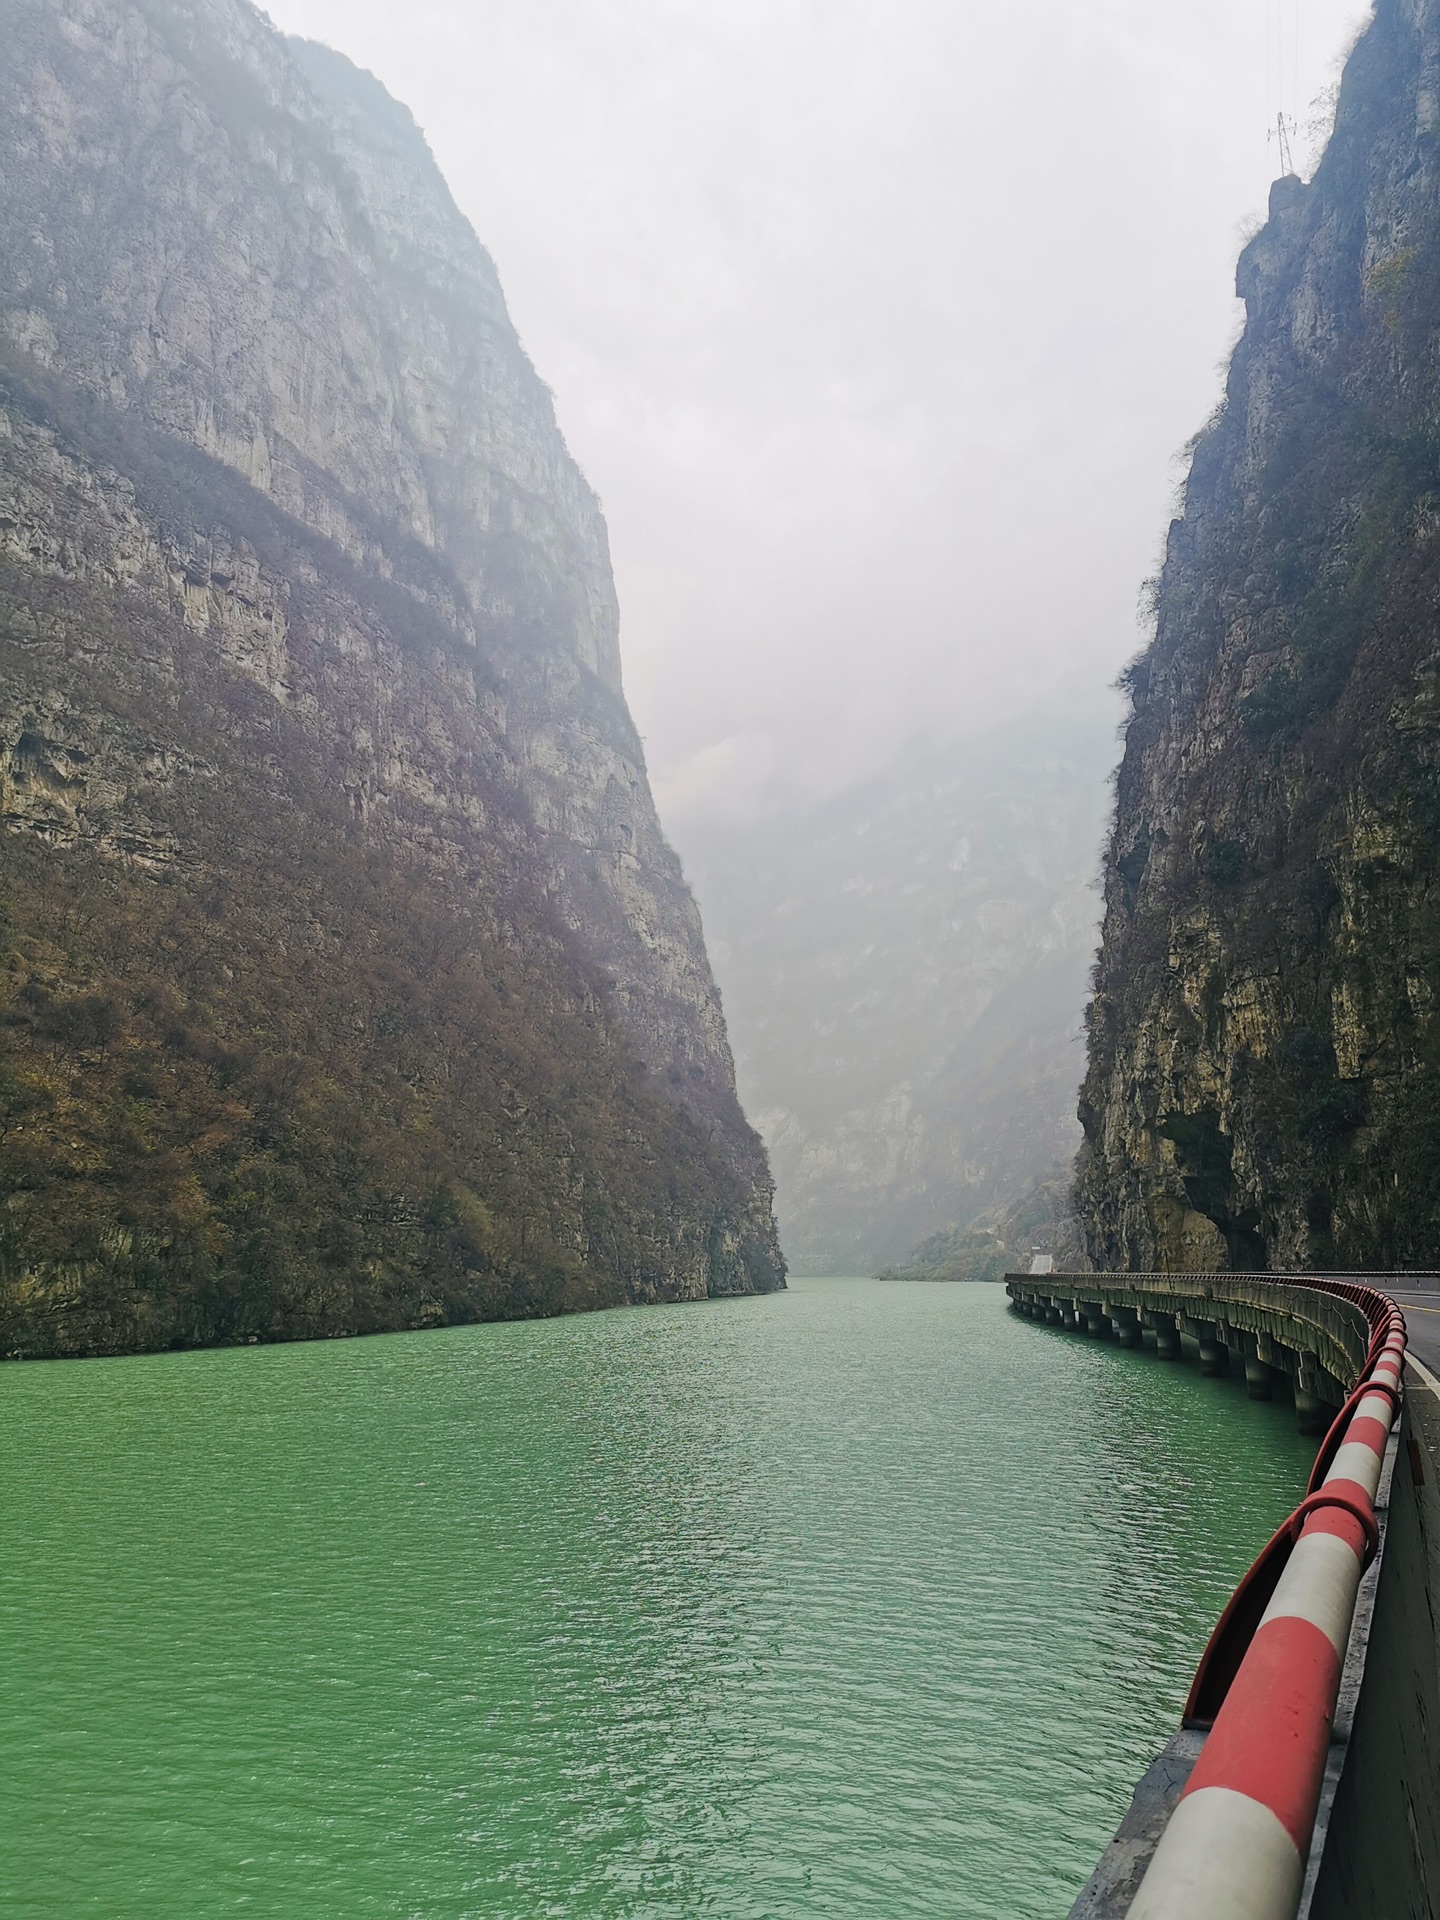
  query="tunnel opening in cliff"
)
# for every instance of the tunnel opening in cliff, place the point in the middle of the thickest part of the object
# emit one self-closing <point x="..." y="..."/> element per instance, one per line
<point x="1203" y="1158"/>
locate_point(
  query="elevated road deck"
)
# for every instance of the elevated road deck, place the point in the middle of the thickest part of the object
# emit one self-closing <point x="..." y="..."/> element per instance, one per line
<point x="1369" y="1844"/>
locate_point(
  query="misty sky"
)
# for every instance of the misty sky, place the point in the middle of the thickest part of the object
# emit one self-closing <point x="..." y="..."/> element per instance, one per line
<point x="877" y="324"/>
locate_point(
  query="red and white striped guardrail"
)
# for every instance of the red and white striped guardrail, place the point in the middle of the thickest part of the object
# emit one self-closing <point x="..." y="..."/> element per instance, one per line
<point x="1236" y="1845"/>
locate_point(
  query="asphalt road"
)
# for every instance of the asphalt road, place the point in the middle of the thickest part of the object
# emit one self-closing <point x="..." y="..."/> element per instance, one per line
<point x="1419" y="1296"/>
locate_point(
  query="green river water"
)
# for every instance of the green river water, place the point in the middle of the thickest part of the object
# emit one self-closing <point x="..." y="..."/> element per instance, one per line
<point x="860" y="1600"/>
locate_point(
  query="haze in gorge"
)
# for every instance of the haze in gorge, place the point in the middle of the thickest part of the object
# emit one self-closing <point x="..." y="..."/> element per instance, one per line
<point x="566" y="568"/>
<point x="881" y="333"/>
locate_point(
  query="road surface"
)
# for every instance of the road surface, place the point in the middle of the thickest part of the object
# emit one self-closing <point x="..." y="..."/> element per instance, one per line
<point x="1419" y="1296"/>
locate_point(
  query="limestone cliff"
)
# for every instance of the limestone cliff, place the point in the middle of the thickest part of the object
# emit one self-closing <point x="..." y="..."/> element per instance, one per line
<point x="347" y="979"/>
<point x="1264" y="1073"/>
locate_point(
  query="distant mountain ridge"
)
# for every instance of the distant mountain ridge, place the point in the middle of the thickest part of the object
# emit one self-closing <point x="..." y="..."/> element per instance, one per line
<point x="905" y="969"/>
<point x="346" y="978"/>
<point x="1038" y="1224"/>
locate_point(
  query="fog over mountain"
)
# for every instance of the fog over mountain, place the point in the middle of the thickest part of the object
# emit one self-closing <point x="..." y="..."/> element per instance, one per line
<point x="905" y="966"/>
<point x="881" y="333"/>
<point x="878" y="328"/>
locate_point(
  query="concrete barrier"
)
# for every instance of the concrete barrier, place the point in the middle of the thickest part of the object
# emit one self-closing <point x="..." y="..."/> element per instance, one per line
<point x="1375" y="1848"/>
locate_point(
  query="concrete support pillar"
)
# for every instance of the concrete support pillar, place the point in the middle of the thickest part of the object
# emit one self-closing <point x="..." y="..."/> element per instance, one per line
<point x="1274" y="1355"/>
<point x="1126" y="1322"/>
<point x="1167" y="1337"/>
<point x="1259" y="1379"/>
<point x="1219" y="1341"/>
<point x="1312" y="1415"/>
<point x="1206" y="1335"/>
<point x="1214" y="1360"/>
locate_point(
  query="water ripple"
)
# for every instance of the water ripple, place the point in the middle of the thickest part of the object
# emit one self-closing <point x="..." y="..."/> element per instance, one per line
<point x="863" y="1600"/>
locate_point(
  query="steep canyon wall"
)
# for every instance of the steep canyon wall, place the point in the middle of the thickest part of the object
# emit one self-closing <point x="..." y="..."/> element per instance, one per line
<point x="346" y="977"/>
<point x="1264" y="1050"/>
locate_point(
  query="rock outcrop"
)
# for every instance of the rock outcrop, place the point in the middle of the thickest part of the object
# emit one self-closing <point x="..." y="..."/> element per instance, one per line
<point x="1264" y="1074"/>
<point x="346" y="977"/>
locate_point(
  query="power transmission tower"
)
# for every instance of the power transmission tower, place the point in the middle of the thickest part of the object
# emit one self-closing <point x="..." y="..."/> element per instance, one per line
<point x="1281" y="132"/>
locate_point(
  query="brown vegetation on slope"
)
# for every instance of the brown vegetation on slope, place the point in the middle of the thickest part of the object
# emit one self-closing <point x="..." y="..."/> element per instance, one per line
<point x="280" y="1058"/>
<point x="1264" y="1073"/>
<point x="348" y="980"/>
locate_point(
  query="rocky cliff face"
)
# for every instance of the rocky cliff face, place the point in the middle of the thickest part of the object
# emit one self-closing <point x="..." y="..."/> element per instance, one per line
<point x="905" y="969"/>
<point x="347" y="977"/>
<point x="1264" y="1078"/>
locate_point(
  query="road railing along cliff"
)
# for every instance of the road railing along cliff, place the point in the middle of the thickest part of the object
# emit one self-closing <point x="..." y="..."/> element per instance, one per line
<point x="1242" y="1817"/>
